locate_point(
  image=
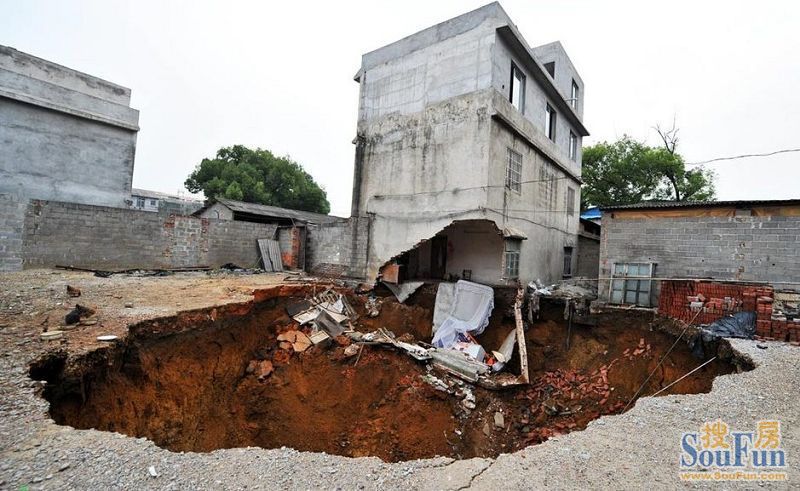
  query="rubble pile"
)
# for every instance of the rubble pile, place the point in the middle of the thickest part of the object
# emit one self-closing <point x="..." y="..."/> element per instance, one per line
<point x="561" y="399"/>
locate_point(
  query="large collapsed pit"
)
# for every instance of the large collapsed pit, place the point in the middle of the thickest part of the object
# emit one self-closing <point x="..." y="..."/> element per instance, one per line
<point x="183" y="383"/>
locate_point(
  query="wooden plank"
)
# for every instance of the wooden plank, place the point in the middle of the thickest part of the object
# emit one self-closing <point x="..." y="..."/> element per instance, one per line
<point x="521" y="346"/>
<point x="263" y="248"/>
<point x="275" y="256"/>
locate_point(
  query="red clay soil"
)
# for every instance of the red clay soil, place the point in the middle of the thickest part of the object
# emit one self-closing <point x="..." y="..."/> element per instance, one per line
<point x="183" y="383"/>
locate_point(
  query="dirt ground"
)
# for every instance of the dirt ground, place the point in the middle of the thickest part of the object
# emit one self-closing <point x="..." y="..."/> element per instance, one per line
<point x="269" y="413"/>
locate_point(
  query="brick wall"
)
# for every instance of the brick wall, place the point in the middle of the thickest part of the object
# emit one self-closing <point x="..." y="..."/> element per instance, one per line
<point x="12" y="219"/>
<point x="339" y="248"/>
<point x="745" y="248"/>
<point x="118" y="238"/>
<point x="290" y="240"/>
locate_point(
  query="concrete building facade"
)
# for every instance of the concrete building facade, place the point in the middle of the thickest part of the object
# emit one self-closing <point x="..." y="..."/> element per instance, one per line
<point x="742" y="241"/>
<point x="64" y="135"/>
<point x="468" y="153"/>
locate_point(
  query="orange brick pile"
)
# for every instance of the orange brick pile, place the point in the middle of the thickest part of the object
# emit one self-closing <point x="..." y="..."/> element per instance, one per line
<point x="710" y="301"/>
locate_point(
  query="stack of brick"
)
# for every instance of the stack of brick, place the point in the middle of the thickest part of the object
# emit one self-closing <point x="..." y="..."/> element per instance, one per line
<point x="708" y="301"/>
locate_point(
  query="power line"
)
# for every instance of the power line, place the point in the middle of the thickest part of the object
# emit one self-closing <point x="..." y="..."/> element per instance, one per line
<point x="745" y="156"/>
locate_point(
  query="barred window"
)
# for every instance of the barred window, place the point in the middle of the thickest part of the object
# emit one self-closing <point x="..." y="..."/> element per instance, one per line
<point x="514" y="171"/>
<point x="512" y="249"/>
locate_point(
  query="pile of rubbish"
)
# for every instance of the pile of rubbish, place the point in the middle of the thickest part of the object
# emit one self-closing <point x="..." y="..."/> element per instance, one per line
<point x="328" y="315"/>
<point x="462" y="312"/>
<point x="577" y="299"/>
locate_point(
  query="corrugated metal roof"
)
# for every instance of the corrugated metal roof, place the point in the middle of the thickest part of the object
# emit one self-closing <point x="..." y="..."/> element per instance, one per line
<point x="146" y="193"/>
<point x="277" y="212"/>
<point x="702" y="204"/>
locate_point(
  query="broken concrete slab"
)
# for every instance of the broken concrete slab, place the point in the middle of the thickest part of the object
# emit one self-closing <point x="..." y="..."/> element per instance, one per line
<point x="403" y="290"/>
<point x="459" y="364"/>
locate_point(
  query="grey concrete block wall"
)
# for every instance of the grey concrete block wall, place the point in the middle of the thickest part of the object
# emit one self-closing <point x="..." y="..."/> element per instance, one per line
<point x="339" y="248"/>
<point x="99" y="237"/>
<point x="746" y="248"/>
<point x="12" y="221"/>
<point x="64" y="135"/>
<point x="588" y="261"/>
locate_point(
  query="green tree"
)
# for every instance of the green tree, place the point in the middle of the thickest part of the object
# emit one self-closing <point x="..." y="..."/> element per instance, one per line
<point x="628" y="171"/>
<point x="258" y="176"/>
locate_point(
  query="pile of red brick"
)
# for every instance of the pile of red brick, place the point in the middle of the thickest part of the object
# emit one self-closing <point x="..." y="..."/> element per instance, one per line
<point x="709" y="301"/>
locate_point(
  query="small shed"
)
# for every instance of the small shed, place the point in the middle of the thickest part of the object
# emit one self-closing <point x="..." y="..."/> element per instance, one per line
<point x="292" y="230"/>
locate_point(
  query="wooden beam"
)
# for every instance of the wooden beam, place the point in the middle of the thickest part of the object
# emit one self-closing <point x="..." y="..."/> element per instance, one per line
<point x="521" y="346"/>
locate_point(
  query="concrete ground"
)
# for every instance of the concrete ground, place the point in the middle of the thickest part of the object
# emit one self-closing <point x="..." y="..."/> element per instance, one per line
<point x="637" y="449"/>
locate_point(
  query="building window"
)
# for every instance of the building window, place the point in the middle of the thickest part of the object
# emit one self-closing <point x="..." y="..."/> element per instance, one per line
<point x="573" y="146"/>
<point x="570" y="201"/>
<point x="574" y="95"/>
<point x="512" y="248"/>
<point x="139" y="202"/>
<point x="550" y="122"/>
<point x="551" y="69"/>
<point x="514" y="171"/>
<point x="152" y="202"/>
<point x="517" y="92"/>
<point x="567" y="262"/>
<point x="631" y="283"/>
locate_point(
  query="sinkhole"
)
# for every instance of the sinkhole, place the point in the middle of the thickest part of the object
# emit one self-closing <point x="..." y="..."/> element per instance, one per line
<point x="184" y="383"/>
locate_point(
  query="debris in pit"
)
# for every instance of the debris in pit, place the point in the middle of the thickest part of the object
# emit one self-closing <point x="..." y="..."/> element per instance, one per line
<point x="352" y="350"/>
<point x="326" y="311"/>
<point x="459" y="364"/>
<point x="373" y="306"/>
<point x="403" y="291"/>
<point x="577" y="299"/>
<point x="260" y="368"/>
<point x="320" y="338"/>
<point x="107" y="338"/>
<point x="295" y="340"/>
<point x="499" y="420"/>
<point x="73" y="291"/>
<point x="505" y="352"/>
<point x="469" y="313"/>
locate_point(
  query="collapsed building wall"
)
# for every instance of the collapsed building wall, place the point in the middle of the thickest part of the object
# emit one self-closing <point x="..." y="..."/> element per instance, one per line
<point x="101" y="237"/>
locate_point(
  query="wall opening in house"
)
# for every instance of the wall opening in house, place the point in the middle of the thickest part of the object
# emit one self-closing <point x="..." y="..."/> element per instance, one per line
<point x="188" y="384"/>
<point x="473" y="246"/>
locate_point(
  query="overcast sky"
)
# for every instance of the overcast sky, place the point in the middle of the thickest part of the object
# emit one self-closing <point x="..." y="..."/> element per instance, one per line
<point x="278" y="75"/>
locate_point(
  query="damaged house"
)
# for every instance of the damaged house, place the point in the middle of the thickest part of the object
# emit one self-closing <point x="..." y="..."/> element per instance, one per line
<point x="468" y="154"/>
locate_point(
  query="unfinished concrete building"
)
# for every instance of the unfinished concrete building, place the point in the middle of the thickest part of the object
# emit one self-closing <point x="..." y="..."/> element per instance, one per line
<point x="468" y="153"/>
<point x="66" y="136"/>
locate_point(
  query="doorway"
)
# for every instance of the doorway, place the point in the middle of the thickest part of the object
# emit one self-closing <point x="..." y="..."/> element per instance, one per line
<point x="438" y="256"/>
